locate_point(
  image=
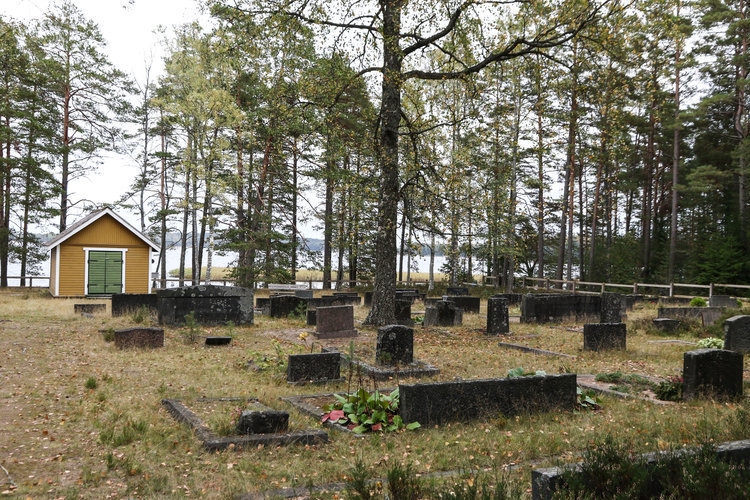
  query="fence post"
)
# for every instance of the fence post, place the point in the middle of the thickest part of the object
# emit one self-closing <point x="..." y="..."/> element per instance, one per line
<point x="575" y="284"/>
<point x="671" y="289"/>
<point x="635" y="288"/>
<point x="602" y="288"/>
<point x="711" y="290"/>
<point x="546" y="284"/>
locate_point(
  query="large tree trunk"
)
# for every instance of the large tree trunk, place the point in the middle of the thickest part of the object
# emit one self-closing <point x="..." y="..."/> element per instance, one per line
<point x="383" y="306"/>
<point x="675" y="160"/>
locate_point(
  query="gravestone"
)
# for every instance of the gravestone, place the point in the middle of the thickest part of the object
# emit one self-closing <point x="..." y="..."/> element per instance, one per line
<point x="403" y="312"/>
<point x="139" y="337"/>
<point x="497" y="316"/>
<point x="214" y="341"/>
<point x="264" y="304"/>
<point x="129" y="303"/>
<point x="209" y="304"/>
<point x="283" y="306"/>
<point x="604" y="337"/>
<point x="312" y="316"/>
<point x="467" y="303"/>
<point x="443" y="313"/>
<point x="714" y="373"/>
<point x="613" y="305"/>
<point x="303" y="294"/>
<point x="722" y="301"/>
<point x="368" y="298"/>
<point x="737" y="334"/>
<point x="686" y="312"/>
<point x="666" y="324"/>
<point x="335" y="322"/>
<point x="315" y="367"/>
<point x="711" y="315"/>
<point x="262" y="421"/>
<point x="89" y="308"/>
<point x="395" y="345"/>
<point x="457" y="290"/>
<point x="439" y="402"/>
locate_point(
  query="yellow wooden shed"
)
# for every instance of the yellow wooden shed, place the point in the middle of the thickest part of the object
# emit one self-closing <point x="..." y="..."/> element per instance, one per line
<point x="100" y="254"/>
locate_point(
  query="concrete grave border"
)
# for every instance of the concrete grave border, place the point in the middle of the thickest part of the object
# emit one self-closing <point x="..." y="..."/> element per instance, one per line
<point x="212" y="442"/>
<point x="545" y="481"/>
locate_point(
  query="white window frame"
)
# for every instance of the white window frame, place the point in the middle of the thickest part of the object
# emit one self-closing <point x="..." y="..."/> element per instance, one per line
<point x="86" y="250"/>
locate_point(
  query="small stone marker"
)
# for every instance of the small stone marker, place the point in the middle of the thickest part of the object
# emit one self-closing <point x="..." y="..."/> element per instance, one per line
<point x="497" y="316"/>
<point x="666" y="324"/>
<point x="312" y="317"/>
<point x="262" y="421"/>
<point x="612" y="307"/>
<point x="737" y="334"/>
<point x="403" y="312"/>
<point x="368" y="298"/>
<point x="443" y="313"/>
<point x="214" y="341"/>
<point x="315" y="367"/>
<point x="722" y="301"/>
<point x="395" y="345"/>
<point x="604" y="336"/>
<point x="139" y="337"/>
<point x="335" y="322"/>
<point x="712" y="373"/>
<point x="457" y="290"/>
<point x="89" y="308"/>
<point x="303" y="294"/>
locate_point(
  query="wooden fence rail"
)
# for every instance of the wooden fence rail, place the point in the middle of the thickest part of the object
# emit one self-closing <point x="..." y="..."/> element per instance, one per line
<point x="573" y="286"/>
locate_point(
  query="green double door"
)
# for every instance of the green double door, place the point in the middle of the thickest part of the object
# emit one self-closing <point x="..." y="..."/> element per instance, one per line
<point x="105" y="272"/>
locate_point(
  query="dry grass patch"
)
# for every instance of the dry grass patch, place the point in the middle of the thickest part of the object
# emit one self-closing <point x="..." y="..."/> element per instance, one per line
<point x="62" y="438"/>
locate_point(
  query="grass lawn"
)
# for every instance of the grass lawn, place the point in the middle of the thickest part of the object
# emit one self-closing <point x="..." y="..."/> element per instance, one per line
<point x="81" y="418"/>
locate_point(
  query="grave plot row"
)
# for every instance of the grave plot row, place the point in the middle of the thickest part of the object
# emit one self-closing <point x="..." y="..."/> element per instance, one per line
<point x="708" y="315"/>
<point x="257" y="426"/>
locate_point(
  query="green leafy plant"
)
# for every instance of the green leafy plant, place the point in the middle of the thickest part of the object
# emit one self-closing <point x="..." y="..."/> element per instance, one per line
<point x="520" y="372"/>
<point x="625" y="383"/>
<point x="300" y="312"/>
<point x="586" y="400"/>
<point x="669" y="390"/>
<point x="418" y="320"/>
<point x="362" y="411"/>
<point x="698" y="302"/>
<point x="711" y="343"/>
<point x="276" y="362"/>
<point x="91" y="383"/>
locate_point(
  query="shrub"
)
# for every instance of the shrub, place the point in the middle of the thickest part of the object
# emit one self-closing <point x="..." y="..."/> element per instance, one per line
<point x="192" y="329"/>
<point x="141" y="314"/>
<point x="403" y="483"/>
<point x="711" y="343"/>
<point x="670" y="390"/>
<point x="109" y="335"/>
<point x="698" y="302"/>
<point x="91" y="383"/>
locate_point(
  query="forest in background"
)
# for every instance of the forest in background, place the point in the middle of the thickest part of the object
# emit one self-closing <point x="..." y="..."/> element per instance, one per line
<point x="564" y="139"/>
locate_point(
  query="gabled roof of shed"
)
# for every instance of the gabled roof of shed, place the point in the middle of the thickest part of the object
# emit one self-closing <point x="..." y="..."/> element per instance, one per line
<point x="90" y="219"/>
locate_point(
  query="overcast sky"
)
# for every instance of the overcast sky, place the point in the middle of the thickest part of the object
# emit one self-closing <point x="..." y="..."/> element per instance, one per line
<point x="130" y="28"/>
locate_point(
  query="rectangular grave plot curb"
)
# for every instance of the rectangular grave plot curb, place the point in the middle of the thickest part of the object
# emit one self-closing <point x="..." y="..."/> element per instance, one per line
<point x="621" y="395"/>
<point x="417" y="369"/>
<point x="212" y="442"/>
<point x="322" y="381"/>
<point x="534" y="350"/>
<point x="308" y="436"/>
<point x="546" y="481"/>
